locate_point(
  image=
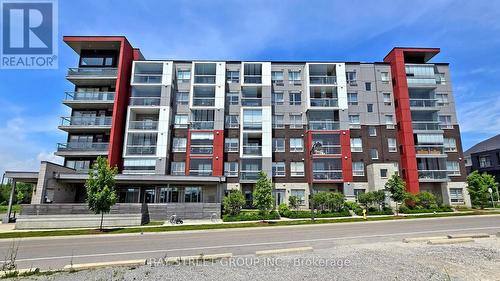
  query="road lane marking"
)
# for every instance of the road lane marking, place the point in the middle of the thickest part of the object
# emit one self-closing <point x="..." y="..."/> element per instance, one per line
<point x="252" y="244"/>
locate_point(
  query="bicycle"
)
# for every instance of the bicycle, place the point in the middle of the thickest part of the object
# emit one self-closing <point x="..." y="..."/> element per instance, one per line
<point x="214" y="218"/>
<point x="175" y="220"/>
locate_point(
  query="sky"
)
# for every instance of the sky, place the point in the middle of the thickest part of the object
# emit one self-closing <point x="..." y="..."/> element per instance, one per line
<point x="466" y="31"/>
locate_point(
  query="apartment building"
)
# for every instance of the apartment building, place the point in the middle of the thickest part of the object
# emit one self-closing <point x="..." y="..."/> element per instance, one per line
<point x="187" y="132"/>
<point x="484" y="157"/>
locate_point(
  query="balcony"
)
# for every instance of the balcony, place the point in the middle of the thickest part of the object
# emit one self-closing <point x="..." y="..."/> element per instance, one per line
<point x="425" y="125"/>
<point x="433" y="175"/>
<point x="145" y="125"/>
<point x="82" y="148"/>
<point x="324" y="102"/>
<point x="430" y="151"/>
<point x="251" y="101"/>
<point x="141" y="149"/>
<point x="92" y="72"/>
<point x="324" y="125"/>
<point x="327" y="150"/>
<point x="148" y="78"/>
<point x="84" y="123"/>
<point x="423" y="103"/>
<point x="203" y="101"/>
<point x="202" y="149"/>
<point x="85" y="99"/>
<point x="327" y="175"/>
<point x="252" y="150"/>
<point x="204" y="79"/>
<point x="145" y="101"/>
<point x="249" y="175"/>
<point x="252" y="79"/>
<point x="252" y="126"/>
<point x="322" y="80"/>
<point x="202" y="125"/>
<point x="199" y="173"/>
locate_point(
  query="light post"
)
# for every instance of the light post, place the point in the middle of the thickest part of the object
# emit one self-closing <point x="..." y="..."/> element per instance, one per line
<point x="490" y="190"/>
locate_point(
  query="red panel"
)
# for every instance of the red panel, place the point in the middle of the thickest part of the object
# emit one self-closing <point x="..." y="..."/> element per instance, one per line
<point x="218" y="157"/>
<point x="345" y="145"/>
<point x="308" y="163"/>
<point x="188" y="152"/>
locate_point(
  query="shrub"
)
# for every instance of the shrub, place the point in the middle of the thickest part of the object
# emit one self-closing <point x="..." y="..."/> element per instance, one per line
<point x="351" y="205"/>
<point x="332" y="201"/>
<point x="233" y="202"/>
<point x="321" y="214"/>
<point x="293" y="201"/>
<point x="426" y="200"/>
<point x="374" y="211"/>
<point x="404" y="209"/>
<point x="252" y="216"/>
<point x="283" y="209"/>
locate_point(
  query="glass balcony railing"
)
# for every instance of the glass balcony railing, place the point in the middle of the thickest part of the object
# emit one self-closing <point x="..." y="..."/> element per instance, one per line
<point x="327" y="174"/>
<point x="85" y="72"/>
<point x="203" y="101"/>
<point x="202" y="149"/>
<point x="249" y="175"/>
<point x="90" y="96"/>
<point x="251" y="101"/>
<point x="143" y="125"/>
<point x="252" y="150"/>
<point x="324" y="125"/>
<point x="328" y="150"/>
<point x="322" y="80"/>
<point x="141" y="149"/>
<point x="148" y="78"/>
<point x="324" y="102"/>
<point x="202" y="125"/>
<point x="421" y="80"/>
<point x="423" y="103"/>
<point x="247" y="125"/>
<point x="204" y="79"/>
<point x="83" y="146"/>
<point x="430" y="150"/>
<point x="145" y="101"/>
<point x="205" y="173"/>
<point x="86" y="121"/>
<point x="253" y="79"/>
<point x="432" y="175"/>
<point x="425" y="125"/>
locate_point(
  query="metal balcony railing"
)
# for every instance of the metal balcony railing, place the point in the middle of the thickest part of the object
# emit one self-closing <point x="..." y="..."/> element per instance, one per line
<point x="328" y="150"/>
<point x="203" y="101"/>
<point x="252" y="79"/>
<point x="430" y="150"/>
<point x="327" y="174"/>
<point x="324" y="102"/>
<point x="145" y="101"/>
<point x="423" y="103"/>
<point x="324" y="125"/>
<point x="425" y="125"/>
<point x="249" y="175"/>
<point x="252" y="150"/>
<point x="148" y="78"/>
<point x="200" y="173"/>
<point x="97" y="72"/>
<point x="202" y="149"/>
<point x="86" y="121"/>
<point x="202" y="125"/>
<point x="89" y="96"/>
<point x="83" y="146"/>
<point x="322" y="80"/>
<point x="421" y="80"/>
<point x="143" y="125"/>
<point x="251" y="101"/>
<point x="252" y="125"/>
<point x="204" y="79"/>
<point x="141" y="149"/>
<point x="433" y="174"/>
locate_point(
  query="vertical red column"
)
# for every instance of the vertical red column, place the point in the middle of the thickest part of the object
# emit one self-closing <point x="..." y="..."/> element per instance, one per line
<point x="188" y="152"/>
<point x="218" y="153"/>
<point x="345" y="146"/>
<point x="308" y="158"/>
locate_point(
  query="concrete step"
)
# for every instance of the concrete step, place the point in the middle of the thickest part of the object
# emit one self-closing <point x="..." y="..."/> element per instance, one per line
<point x="450" y="241"/>
<point x="469" y="235"/>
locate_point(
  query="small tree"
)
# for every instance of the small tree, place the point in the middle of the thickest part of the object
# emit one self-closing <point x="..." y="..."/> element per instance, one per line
<point x="320" y="200"/>
<point x="426" y="200"/>
<point x="379" y="198"/>
<point x="233" y="202"/>
<point x="293" y="201"/>
<point x="100" y="185"/>
<point x="396" y="186"/>
<point x="263" y="193"/>
<point x="477" y="185"/>
<point x="365" y="199"/>
<point x="335" y="201"/>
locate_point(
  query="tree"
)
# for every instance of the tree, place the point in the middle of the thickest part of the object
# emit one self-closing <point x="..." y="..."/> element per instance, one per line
<point x="263" y="193"/>
<point x="477" y="185"/>
<point x="426" y="200"/>
<point x="379" y="198"/>
<point x="24" y="192"/>
<point x="320" y="200"/>
<point x="335" y="201"/>
<point x="365" y="199"/>
<point x="293" y="201"/>
<point x="100" y="185"/>
<point x="233" y="202"/>
<point x="396" y="186"/>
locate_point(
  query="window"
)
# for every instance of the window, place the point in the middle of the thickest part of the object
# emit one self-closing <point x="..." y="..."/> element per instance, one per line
<point x="442" y="99"/>
<point x="233" y="76"/>
<point x="169" y="195"/>
<point x="278" y="121"/>
<point x="383" y="173"/>
<point x="384" y="76"/>
<point x="369" y="107"/>
<point x="294" y="77"/>
<point x="200" y="167"/>
<point x="368" y="86"/>
<point x="231" y="145"/>
<point x="138" y="164"/>
<point x="295" y="98"/>
<point x="453" y="168"/>
<point x="445" y="122"/>
<point x="202" y="143"/>
<point x="296" y="145"/>
<point x="389" y="122"/>
<point x="373" y="154"/>
<point x="484" y="161"/>
<point x="277" y="76"/>
<point x="456" y="195"/>
<point x="79" y="165"/>
<point x="391" y="143"/>
<point x="181" y="121"/>
<point x="233" y="98"/>
<point x="300" y="194"/>
<point x="440" y="79"/>
<point x="296" y="121"/>
<point x="179" y="145"/>
<point x="278" y="145"/>
<point x="356" y="145"/>
<point x="178" y="169"/>
<point x="352" y="98"/>
<point x="279" y="169"/>
<point x="231" y="169"/>
<point x="182" y="98"/>
<point x="351" y="77"/>
<point x="372" y="131"/>
<point x="232" y="121"/>
<point x="252" y="119"/>
<point x="278" y="98"/>
<point x="183" y="76"/>
<point x="450" y="145"/>
<point x="387" y="98"/>
<point x="297" y="169"/>
<point x="354" y="122"/>
<point x="192" y="194"/>
<point x="358" y="169"/>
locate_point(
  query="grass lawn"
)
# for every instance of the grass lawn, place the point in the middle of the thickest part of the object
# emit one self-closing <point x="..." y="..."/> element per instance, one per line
<point x="47" y="233"/>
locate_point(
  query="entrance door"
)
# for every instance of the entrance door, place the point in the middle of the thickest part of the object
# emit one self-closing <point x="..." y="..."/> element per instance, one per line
<point x="279" y="196"/>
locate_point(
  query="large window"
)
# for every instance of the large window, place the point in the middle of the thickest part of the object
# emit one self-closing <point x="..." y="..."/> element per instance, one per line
<point x="391" y="143"/>
<point x="450" y="145"/>
<point x="182" y="98"/>
<point x="178" y="168"/>
<point x="183" y="76"/>
<point x="232" y="121"/>
<point x="352" y="98"/>
<point x="231" y="169"/>
<point x="296" y="121"/>
<point x="179" y="145"/>
<point x="296" y="145"/>
<point x="278" y="145"/>
<point x="356" y="145"/>
<point x="278" y="121"/>
<point x="233" y="98"/>
<point x="200" y="167"/>
<point x="453" y="168"/>
<point x="169" y="195"/>
<point x="300" y="194"/>
<point x="277" y="76"/>
<point x="279" y="169"/>
<point x="358" y="169"/>
<point x="445" y="122"/>
<point x="456" y="195"/>
<point x="233" y="76"/>
<point x="297" y="169"/>
<point x="294" y="77"/>
<point x="354" y="122"/>
<point x="135" y="164"/>
<point x="202" y="143"/>
<point x="181" y="121"/>
<point x="252" y="119"/>
<point x="278" y="98"/>
<point x="203" y="119"/>
<point x="295" y="98"/>
<point x="128" y="195"/>
<point x="192" y="194"/>
<point x="442" y="99"/>
<point x="351" y="76"/>
<point x="484" y="161"/>
<point x="231" y="145"/>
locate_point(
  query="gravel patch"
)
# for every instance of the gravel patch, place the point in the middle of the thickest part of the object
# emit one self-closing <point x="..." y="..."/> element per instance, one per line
<point x="375" y="261"/>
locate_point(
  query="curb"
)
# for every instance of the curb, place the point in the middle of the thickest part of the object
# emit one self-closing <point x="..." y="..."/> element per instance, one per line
<point x="188" y="259"/>
<point x="423" y="239"/>
<point x="284" y="251"/>
<point x="449" y="241"/>
<point x="473" y="235"/>
<point x="82" y="266"/>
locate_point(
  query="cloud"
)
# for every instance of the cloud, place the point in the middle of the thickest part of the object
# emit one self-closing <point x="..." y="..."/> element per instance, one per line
<point x="480" y="116"/>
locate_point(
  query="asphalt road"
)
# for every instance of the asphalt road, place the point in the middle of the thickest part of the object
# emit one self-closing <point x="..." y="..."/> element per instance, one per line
<point x="56" y="252"/>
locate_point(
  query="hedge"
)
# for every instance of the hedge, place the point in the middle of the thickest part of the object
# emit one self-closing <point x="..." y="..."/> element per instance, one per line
<point x="307" y="214"/>
<point x="374" y="211"/>
<point x="405" y="210"/>
<point x="252" y="216"/>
